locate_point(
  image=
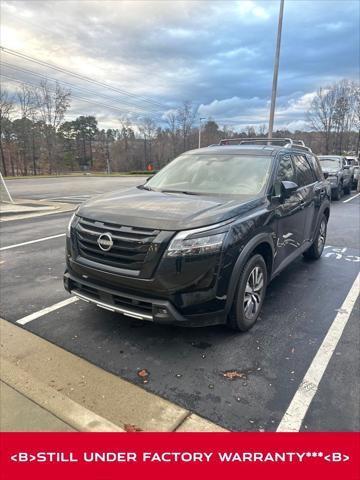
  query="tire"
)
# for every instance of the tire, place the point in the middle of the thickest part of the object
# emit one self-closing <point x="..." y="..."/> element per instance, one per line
<point x="347" y="189"/>
<point x="247" y="304"/>
<point x="316" y="249"/>
<point x="338" y="193"/>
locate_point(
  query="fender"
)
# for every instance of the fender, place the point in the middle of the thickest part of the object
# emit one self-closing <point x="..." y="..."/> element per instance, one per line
<point x="324" y="206"/>
<point x="242" y="259"/>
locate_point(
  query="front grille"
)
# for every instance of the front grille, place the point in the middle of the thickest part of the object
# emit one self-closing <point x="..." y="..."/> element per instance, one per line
<point x="129" y="249"/>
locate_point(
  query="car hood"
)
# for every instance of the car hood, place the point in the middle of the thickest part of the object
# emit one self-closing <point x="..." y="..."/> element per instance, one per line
<point x="330" y="170"/>
<point x="138" y="207"/>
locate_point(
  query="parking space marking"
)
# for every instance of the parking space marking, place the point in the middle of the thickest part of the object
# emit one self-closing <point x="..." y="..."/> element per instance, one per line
<point x="295" y="414"/>
<point x="32" y="241"/>
<point x="44" y="311"/>
<point x="338" y="253"/>
<point x="351" y="198"/>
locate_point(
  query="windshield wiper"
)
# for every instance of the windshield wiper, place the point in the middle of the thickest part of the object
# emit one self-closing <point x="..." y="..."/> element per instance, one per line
<point x="145" y="187"/>
<point x="180" y="191"/>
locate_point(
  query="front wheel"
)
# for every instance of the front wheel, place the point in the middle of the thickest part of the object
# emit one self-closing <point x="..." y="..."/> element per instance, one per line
<point x="316" y="249"/>
<point x="249" y="295"/>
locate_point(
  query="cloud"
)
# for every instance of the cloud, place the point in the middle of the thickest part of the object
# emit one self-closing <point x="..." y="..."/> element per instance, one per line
<point x="219" y="55"/>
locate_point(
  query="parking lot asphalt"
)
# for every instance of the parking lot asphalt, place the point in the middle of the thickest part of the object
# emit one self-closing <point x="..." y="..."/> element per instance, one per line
<point x="72" y="189"/>
<point x="187" y="366"/>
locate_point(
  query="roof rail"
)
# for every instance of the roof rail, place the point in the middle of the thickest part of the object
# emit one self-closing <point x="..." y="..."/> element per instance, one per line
<point x="252" y="140"/>
<point x="286" y="142"/>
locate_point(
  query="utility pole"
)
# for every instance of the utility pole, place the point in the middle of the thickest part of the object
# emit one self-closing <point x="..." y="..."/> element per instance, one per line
<point x="276" y="70"/>
<point x="201" y="118"/>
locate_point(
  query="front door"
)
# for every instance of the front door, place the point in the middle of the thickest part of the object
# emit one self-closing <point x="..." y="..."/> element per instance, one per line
<point x="289" y="214"/>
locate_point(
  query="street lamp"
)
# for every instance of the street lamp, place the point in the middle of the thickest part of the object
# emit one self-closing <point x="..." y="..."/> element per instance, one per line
<point x="201" y="118"/>
<point x="276" y="70"/>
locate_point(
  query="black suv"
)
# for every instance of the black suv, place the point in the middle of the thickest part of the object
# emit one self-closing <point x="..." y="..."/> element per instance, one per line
<point x="198" y="243"/>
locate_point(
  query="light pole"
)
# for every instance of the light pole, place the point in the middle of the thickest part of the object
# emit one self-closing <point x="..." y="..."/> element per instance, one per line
<point x="201" y="118"/>
<point x="276" y="70"/>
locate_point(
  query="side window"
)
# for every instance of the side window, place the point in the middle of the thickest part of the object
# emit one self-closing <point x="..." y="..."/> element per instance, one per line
<point x="315" y="165"/>
<point x="285" y="172"/>
<point x="304" y="174"/>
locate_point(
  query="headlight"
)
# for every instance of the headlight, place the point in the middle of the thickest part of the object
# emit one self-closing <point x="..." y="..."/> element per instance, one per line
<point x="181" y="245"/>
<point x="68" y="231"/>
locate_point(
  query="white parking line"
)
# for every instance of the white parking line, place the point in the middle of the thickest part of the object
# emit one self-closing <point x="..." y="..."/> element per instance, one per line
<point x="33" y="241"/>
<point x="45" y="311"/>
<point x="351" y="198"/>
<point x="295" y="414"/>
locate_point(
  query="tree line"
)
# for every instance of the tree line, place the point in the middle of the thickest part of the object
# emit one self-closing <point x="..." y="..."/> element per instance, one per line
<point x="36" y="139"/>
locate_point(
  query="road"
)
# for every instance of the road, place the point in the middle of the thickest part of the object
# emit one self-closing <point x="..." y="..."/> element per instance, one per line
<point x="69" y="189"/>
<point x="187" y="366"/>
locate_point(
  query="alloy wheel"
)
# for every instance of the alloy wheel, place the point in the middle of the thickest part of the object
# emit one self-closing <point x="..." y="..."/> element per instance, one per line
<point x="253" y="292"/>
<point x="322" y="235"/>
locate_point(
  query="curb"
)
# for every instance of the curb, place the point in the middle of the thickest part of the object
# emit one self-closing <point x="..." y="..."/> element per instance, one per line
<point x="84" y="395"/>
<point x="59" y="405"/>
<point x="42" y="210"/>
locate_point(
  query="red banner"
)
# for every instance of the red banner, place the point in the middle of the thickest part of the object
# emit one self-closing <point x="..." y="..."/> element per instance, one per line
<point x="178" y="455"/>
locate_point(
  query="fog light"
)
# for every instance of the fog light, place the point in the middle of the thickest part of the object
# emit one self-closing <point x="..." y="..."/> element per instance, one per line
<point x="161" y="311"/>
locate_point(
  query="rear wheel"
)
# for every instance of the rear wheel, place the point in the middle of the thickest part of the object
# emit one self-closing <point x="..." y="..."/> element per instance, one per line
<point x="316" y="249"/>
<point x="249" y="295"/>
<point x="347" y="189"/>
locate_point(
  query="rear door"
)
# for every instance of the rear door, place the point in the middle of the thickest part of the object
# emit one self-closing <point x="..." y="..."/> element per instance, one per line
<point x="307" y="182"/>
<point x="321" y="190"/>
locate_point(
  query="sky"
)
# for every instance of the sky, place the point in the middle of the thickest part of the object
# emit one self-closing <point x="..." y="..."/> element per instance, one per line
<point x="147" y="57"/>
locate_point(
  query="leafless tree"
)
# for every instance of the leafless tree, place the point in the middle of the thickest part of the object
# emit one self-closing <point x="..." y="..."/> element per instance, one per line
<point x="262" y="130"/>
<point x="52" y="104"/>
<point x="171" y="120"/>
<point x="333" y="112"/>
<point x="322" y="113"/>
<point x="250" y="131"/>
<point x="185" y="119"/>
<point x="148" y="130"/>
<point x="27" y="98"/>
<point x="356" y="109"/>
<point x="6" y="108"/>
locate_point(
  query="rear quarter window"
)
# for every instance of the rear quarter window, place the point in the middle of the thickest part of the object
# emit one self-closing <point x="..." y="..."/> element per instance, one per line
<point x="304" y="173"/>
<point x="316" y="167"/>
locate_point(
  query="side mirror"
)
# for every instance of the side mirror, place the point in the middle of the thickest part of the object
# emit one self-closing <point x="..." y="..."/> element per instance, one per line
<point x="288" y="188"/>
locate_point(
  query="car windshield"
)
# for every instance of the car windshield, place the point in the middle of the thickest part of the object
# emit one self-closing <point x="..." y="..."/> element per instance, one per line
<point x="330" y="162"/>
<point x="214" y="174"/>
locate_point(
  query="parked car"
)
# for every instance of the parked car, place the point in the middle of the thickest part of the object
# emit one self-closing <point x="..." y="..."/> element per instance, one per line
<point x="353" y="162"/>
<point x="198" y="243"/>
<point x="337" y="171"/>
<point x="356" y="177"/>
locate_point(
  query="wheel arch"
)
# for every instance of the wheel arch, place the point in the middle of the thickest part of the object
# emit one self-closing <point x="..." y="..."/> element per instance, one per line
<point x="262" y="244"/>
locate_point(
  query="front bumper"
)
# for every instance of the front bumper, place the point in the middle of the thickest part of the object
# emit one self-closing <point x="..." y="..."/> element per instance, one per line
<point x="135" y="306"/>
<point x="334" y="184"/>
